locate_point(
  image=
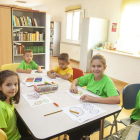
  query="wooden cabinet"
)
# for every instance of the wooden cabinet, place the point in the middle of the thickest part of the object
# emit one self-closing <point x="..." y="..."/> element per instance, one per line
<point x="5" y="36"/>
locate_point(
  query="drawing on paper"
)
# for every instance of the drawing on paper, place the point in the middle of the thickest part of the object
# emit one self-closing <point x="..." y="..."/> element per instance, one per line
<point x="35" y="99"/>
<point x="38" y="102"/>
<point x="91" y="108"/>
<point x="77" y="109"/>
<point x="34" y="96"/>
<point x="80" y="92"/>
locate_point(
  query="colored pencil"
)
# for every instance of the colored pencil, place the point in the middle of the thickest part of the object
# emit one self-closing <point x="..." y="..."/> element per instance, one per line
<point x="74" y="112"/>
<point x="46" y="92"/>
<point x="56" y="104"/>
<point x="53" y="112"/>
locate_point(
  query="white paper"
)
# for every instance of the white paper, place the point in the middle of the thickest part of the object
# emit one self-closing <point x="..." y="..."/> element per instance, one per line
<point x="86" y="111"/>
<point x="81" y="92"/>
<point x="35" y="99"/>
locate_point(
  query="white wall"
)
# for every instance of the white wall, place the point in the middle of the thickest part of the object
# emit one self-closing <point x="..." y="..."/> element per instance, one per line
<point x="109" y="9"/>
<point x="122" y="67"/>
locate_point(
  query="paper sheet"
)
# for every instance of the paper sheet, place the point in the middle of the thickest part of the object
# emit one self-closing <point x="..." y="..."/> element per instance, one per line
<point x="83" y="112"/>
<point x="35" y="99"/>
<point x="81" y="92"/>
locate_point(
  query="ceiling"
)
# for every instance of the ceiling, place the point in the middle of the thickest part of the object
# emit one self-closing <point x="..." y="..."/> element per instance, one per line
<point x="30" y="3"/>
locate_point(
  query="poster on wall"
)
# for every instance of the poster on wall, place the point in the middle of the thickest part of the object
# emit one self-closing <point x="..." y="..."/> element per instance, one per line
<point x="114" y="27"/>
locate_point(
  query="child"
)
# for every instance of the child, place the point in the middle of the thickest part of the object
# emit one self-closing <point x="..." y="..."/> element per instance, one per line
<point x="63" y="70"/>
<point x="9" y="93"/>
<point x="135" y="116"/>
<point x="27" y="65"/>
<point x="98" y="83"/>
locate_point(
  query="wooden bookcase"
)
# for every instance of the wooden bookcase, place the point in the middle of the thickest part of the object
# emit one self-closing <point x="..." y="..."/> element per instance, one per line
<point x="5" y="36"/>
<point x="39" y="45"/>
<point x="55" y="33"/>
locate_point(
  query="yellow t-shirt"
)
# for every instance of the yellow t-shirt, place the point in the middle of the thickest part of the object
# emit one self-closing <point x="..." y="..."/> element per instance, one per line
<point x="68" y="70"/>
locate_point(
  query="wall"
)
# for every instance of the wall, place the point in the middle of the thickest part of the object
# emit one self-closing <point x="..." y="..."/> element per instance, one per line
<point x="123" y="67"/>
<point x="109" y="9"/>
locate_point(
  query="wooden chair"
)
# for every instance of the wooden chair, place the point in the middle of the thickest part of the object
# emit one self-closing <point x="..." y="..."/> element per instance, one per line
<point x="77" y="73"/>
<point x="2" y="135"/>
<point x="12" y="66"/>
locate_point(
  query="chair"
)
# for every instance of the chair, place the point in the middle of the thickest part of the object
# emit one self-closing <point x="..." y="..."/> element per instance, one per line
<point x="77" y="73"/>
<point x="2" y="135"/>
<point x="12" y="66"/>
<point x="108" y="123"/>
<point x="129" y="99"/>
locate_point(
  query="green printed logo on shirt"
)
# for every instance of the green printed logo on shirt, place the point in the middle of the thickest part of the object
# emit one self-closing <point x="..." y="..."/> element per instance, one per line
<point x="97" y="92"/>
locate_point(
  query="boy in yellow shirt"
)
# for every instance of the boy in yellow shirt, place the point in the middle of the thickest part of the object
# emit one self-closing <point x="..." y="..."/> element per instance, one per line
<point x="63" y="70"/>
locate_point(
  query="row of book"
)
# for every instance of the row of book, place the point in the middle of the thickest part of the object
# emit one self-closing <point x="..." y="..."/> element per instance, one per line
<point x="25" y="36"/>
<point x="24" y="21"/>
<point x="19" y="49"/>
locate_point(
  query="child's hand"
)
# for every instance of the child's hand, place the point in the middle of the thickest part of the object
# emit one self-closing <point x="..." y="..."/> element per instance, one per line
<point x="29" y="70"/>
<point x="57" y="75"/>
<point x="87" y="98"/>
<point x="73" y="89"/>
<point x="53" y="76"/>
<point x="40" y="71"/>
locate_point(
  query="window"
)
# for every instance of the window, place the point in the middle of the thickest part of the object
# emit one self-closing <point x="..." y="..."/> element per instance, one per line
<point x="74" y="20"/>
<point x="130" y="26"/>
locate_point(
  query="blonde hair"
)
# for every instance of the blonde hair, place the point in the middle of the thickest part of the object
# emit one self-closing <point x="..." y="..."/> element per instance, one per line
<point x="100" y="57"/>
<point x="26" y="51"/>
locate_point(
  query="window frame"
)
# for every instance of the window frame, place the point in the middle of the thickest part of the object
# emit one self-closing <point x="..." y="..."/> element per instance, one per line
<point x="81" y="10"/>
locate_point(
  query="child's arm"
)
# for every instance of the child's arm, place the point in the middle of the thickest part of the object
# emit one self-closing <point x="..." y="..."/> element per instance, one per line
<point x="50" y="74"/>
<point x="39" y="69"/>
<point x="65" y="77"/>
<point x="73" y="87"/>
<point x="106" y="100"/>
<point x="23" y="71"/>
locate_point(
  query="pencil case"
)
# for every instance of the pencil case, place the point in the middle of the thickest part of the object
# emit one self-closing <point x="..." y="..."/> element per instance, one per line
<point x="46" y="87"/>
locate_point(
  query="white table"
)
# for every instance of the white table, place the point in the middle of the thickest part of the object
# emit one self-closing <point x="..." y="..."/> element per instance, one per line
<point x="47" y="127"/>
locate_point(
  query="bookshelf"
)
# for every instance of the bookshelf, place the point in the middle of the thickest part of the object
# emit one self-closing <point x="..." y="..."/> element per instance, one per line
<point x="55" y="33"/>
<point x="31" y="30"/>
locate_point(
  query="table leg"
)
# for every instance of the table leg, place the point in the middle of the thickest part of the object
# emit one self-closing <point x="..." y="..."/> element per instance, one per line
<point x="101" y="133"/>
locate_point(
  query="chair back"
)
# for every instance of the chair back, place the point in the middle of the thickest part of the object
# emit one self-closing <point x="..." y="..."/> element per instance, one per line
<point x="12" y="66"/>
<point x="129" y="95"/>
<point x="77" y="73"/>
<point x="2" y="135"/>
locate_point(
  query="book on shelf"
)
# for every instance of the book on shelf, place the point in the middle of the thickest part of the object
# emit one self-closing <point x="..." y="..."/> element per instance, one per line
<point x="24" y="21"/>
<point x="18" y="48"/>
<point x="26" y="36"/>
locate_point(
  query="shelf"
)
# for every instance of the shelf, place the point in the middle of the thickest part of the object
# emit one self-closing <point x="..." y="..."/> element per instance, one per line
<point x="28" y="27"/>
<point x="27" y="41"/>
<point x="33" y="54"/>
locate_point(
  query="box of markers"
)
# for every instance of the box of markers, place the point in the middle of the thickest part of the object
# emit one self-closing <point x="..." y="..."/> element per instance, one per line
<point x="46" y="87"/>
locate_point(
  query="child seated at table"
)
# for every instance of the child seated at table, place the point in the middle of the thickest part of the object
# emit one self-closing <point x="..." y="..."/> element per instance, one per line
<point x="98" y="83"/>
<point x="63" y="70"/>
<point x="10" y="94"/>
<point x="27" y="65"/>
<point x="135" y="115"/>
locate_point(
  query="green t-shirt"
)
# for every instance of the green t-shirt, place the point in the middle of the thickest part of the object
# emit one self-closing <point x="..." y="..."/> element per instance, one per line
<point x="104" y="87"/>
<point x="8" y="121"/>
<point x="136" y="112"/>
<point x="23" y="65"/>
